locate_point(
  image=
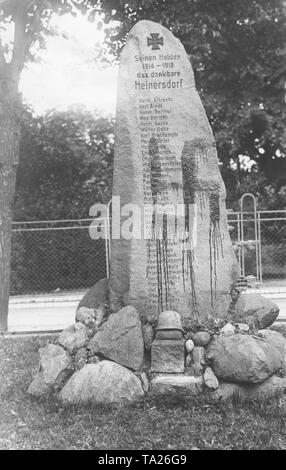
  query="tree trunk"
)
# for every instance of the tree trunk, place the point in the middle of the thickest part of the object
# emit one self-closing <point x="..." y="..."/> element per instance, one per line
<point x="9" y="151"/>
<point x="26" y="24"/>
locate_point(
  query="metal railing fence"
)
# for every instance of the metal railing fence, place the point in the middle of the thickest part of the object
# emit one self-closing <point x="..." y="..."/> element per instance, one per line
<point x="60" y="255"/>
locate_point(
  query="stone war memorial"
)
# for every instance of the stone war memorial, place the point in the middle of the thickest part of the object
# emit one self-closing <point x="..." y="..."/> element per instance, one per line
<point x="165" y="154"/>
<point x="172" y="316"/>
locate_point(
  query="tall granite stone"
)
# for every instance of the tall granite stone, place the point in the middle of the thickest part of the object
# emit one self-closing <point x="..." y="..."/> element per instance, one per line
<point x="165" y="154"/>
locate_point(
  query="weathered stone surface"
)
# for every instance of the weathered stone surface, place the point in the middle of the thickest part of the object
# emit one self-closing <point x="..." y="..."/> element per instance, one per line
<point x="201" y="338"/>
<point x="169" y="320"/>
<point x="266" y="389"/>
<point x="173" y="383"/>
<point x="169" y="334"/>
<point x="38" y="386"/>
<point x="243" y="327"/>
<point x="243" y="358"/>
<point x="91" y="332"/>
<point x="227" y="329"/>
<point x="55" y="368"/>
<point x="210" y="379"/>
<point x="279" y="342"/>
<point x="274" y="338"/>
<point x="177" y="166"/>
<point x="282" y="371"/>
<point x="74" y="337"/>
<point x="55" y="364"/>
<point x="80" y="358"/>
<point x="100" y="316"/>
<point x="91" y="317"/>
<point x="168" y="355"/>
<point x="198" y="357"/>
<point x="120" y="338"/>
<point x="96" y="296"/>
<point x="255" y="310"/>
<point x="87" y="316"/>
<point x="105" y="382"/>
<point x="189" y="345"/>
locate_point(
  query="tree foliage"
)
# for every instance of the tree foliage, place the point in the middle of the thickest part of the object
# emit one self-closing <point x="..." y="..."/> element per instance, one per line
<point x="237" y="50"/>
<point x="65" y="165"/>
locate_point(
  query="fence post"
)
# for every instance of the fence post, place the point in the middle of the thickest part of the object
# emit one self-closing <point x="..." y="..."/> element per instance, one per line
<point x="256" y="235"/>
<point x="259" y="247"/>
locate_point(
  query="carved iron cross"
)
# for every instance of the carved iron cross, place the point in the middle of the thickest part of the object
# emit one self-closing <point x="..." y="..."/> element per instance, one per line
<point x="155" y="41"/>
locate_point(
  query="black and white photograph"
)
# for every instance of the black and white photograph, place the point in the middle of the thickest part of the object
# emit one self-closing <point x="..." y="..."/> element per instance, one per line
<point x="143" y="228"/>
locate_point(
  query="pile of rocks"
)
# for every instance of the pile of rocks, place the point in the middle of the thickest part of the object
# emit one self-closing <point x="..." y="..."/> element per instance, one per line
<point x="115" y="357"/>
<point x="97" y="359"/>
<point x="242" y="357"/>
<point x="247" y="357"/>
<point x="248" y="363"/>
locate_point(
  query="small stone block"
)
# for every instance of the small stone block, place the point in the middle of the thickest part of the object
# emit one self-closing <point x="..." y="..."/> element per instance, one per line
<point x="176" y="383"/>
<point x="169" y="334"/>
<point x="168" y="356"/>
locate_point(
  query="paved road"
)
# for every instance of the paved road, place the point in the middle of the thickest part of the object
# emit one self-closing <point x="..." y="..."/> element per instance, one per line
<point x="50" y="314"/>
<point x="41" y="316"/>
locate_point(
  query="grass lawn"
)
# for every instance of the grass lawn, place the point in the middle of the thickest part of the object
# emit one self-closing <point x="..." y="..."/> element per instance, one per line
<point x="27" y="423"/>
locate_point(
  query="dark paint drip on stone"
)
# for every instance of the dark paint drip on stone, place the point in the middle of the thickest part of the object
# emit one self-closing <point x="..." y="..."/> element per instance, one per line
<point x="215" y="240"/>
<point x="190" y="187"/>
<point x="157" y="187"/>
<point x="189" y="274"/>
